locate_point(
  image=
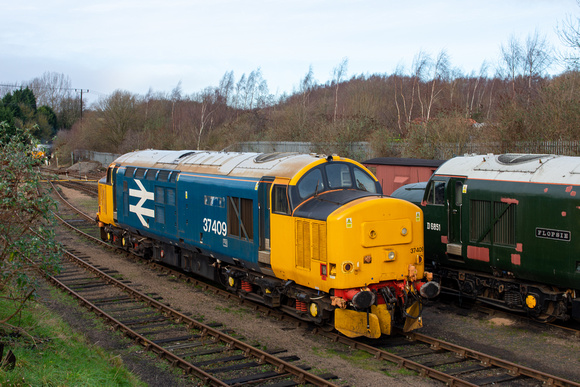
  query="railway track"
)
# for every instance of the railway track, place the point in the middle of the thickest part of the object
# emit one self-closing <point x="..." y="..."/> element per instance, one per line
<point x="430" y="357"/>
<point x="214" y="356"/>
<point x="89" y="187"/>
<point x="451" y="364"/>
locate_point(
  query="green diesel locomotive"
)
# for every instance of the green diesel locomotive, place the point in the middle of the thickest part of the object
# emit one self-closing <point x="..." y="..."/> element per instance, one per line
<point x="505" y="229"/>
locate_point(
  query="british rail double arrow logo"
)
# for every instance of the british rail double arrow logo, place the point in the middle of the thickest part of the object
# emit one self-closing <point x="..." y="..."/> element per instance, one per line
<point x="138" y="209"/>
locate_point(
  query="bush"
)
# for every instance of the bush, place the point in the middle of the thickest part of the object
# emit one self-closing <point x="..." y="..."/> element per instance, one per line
<point x="27" y="240"/>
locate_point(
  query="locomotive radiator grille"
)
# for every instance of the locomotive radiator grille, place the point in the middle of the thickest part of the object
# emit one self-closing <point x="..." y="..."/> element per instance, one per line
<point x="310" y="242"/>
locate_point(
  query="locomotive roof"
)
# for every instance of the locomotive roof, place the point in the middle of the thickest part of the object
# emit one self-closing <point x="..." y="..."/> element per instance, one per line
<point x="281" y="164"/>
<point x="538" y="168"/>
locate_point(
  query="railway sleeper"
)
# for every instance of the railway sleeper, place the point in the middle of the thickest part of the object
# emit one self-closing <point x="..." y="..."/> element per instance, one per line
<point x="261" y="376"/>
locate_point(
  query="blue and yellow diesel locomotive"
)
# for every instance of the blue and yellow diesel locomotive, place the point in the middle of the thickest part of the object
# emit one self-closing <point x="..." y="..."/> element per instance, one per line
<point x="308" y="234"/>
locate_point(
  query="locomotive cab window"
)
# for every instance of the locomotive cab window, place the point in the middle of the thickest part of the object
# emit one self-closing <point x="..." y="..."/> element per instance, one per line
<point x="311" y="183"/>
<point x="338" y="176"/>
<point x="280" y="203"/>
<point x="436" y="192"/>
<point x="241" y="218"/>
<point x="334" y="176"/>
<point x="109" y="176"/>
<point x="363" y="181"/>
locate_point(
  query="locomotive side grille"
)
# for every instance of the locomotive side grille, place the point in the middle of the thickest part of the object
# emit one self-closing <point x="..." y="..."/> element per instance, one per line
<point x="102" y="201"/>
<point x="310" y="242"/>
<point x="480" y="221"/>
<point x="303" y="244"/>
<point x="504" y="228"/>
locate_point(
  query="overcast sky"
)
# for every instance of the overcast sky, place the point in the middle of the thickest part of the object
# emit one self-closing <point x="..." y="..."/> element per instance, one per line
<point x="136" y="45"/>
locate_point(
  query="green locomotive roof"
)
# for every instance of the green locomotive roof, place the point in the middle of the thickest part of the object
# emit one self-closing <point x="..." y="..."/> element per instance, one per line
<point x="534" y="168"/>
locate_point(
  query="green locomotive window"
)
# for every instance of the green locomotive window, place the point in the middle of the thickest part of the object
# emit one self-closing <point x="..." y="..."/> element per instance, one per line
<point x="436" y="192"/>
<point x="280" y="203"/>
<point x="241" y="218"/>
<point x="458" y="193"/>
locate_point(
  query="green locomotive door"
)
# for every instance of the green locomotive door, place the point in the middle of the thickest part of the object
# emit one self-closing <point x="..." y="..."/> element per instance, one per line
<point x="455" y="191"/>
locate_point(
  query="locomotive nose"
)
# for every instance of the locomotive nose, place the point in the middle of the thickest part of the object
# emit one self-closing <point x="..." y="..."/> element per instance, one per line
<point x="430" y="289"/>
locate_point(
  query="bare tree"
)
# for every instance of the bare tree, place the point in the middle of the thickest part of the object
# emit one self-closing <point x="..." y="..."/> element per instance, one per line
<point x="569" y="34"/>
<point x="399" y="75"/>
<point x="252" y="92"/>
<point x="118" y="115"/>
<point x="50" y="89"/>
<point x="537" y="59"/>
<point x="207" y="102"/>
<point x="337" y="76"/>
<point x="250" y="89"/>
<point x="240" y="91"/>
<point x="175" y="97"/>
<point x="470" y="101"/>
<point x="226" y="86"/>
<point x="511" y="60"/>
<point x="306" y="86"/>
<point x="421" y="63"/>
<point x="440" y="75"/>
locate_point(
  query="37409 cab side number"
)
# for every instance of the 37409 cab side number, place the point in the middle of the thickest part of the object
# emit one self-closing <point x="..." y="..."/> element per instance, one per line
<point x="215" y="226"/>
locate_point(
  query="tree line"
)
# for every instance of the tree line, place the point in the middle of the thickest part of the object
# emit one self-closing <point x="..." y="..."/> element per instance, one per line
<point x="423" y="106"/>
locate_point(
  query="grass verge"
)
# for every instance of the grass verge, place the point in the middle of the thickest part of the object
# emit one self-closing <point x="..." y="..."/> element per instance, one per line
<point x="53" y="355"/>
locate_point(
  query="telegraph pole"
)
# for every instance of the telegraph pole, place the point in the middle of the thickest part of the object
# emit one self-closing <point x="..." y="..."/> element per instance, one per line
<point x="82" y="91"/>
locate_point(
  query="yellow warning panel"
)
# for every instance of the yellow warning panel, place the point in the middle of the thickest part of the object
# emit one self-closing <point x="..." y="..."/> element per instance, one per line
<point x="384" y="318"/>
<point x="354" y="324"/>
<point x="413" y="323"/>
